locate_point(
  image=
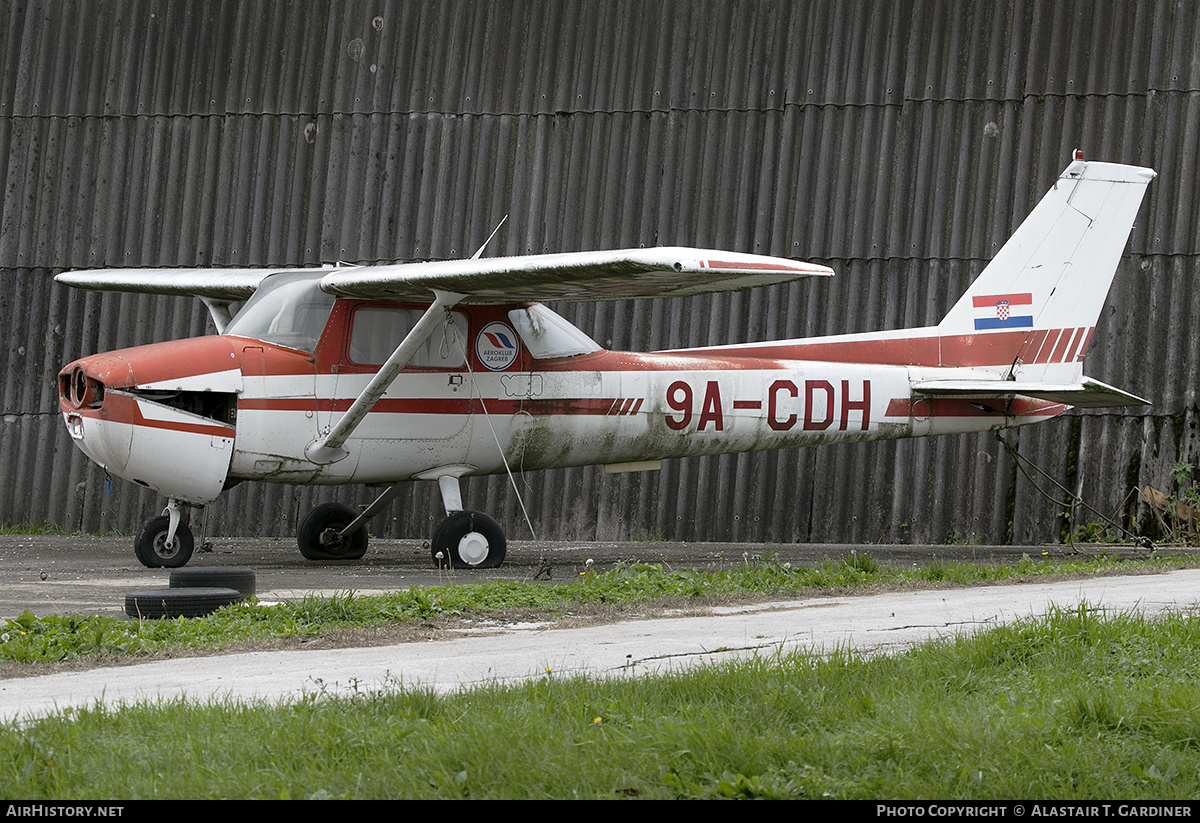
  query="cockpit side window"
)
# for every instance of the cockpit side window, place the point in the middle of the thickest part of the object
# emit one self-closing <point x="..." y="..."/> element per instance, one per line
<point x="286" y="309"/>
<point x="548" y="335"/>
<point x="376" y="331"/>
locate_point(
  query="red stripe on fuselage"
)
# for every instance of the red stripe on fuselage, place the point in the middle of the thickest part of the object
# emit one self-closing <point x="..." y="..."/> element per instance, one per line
<point x="439" y="405"/>
<point x="971" y="350"/>
<point x="625" y="361"/>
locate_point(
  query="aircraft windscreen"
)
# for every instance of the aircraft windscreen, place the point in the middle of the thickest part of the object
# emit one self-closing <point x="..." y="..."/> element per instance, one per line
<point x="287" y="309"/>
<point x="548" y="335"/>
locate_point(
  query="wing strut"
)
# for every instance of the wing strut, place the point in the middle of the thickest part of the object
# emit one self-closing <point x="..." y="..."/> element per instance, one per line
<point x="219" y="311"/>
<point x="329" y="449"/>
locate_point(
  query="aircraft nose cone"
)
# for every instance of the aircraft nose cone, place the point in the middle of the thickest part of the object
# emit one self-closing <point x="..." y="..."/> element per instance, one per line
<point x="138" y="412"/>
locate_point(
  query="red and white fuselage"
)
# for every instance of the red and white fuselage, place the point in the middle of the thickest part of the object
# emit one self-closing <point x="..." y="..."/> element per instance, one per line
<point x="189" y="417"/>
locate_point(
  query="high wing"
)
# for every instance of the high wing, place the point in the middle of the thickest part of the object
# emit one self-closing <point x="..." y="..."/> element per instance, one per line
<point x="605" y="275"/>
<point x="579" y="276"/>
<point x="215" y="284"/>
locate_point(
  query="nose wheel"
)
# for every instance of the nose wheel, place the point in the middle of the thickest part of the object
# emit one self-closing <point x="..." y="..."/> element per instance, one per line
<point x="156" y="551"/>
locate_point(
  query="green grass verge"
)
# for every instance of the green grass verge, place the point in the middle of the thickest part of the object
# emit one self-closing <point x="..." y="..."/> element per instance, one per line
<point x="1073" y="705"/>
<point x="28" y="639"/>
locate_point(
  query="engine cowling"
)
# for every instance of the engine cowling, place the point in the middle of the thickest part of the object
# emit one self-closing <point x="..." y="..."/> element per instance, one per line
<point x="162" y="415"/>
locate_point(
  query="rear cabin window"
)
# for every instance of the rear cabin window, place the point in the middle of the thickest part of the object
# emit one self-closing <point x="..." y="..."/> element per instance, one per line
<point x="548" y="335"/>
<point x="376" y="331"/>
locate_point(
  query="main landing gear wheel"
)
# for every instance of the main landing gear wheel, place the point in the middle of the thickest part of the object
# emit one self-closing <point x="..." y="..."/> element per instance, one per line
<point x="468" y="540"/>
<point x="318" y="535"/>
<point x="151" y="549"/>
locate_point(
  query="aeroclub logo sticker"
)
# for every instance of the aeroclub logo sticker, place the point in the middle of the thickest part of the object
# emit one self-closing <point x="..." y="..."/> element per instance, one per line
<point x="497" y="346"/>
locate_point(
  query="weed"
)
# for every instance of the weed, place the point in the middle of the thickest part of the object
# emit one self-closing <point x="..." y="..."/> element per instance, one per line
<point x="1096" y="532"/>
<point x="936" y="570"/>
<point x="1177" y="514"/>
<point x="861" y="562"/>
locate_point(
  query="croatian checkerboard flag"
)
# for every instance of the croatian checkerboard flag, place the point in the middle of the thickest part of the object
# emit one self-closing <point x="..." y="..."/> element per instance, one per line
<point x="1003" y="311"/>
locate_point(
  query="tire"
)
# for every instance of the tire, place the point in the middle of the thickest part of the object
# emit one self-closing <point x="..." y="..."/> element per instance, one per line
<point x="189" y="602"/>
<point x="322" y="519"/>
<point x="148" y="545"/>
<point x="240" y="578"/>
<point x="468" y="540"/>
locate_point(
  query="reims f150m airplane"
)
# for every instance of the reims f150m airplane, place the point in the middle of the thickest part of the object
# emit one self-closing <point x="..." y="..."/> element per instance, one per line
<point x="441" y="370"/>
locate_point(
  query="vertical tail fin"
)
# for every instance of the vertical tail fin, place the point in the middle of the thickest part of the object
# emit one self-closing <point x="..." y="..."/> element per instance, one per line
<point x="1034" y="307"/>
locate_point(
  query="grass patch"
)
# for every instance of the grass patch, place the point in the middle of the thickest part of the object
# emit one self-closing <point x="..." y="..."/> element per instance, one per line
<point x="47" y="529"/>
<point x="28" y="639"/>
<point x="35" y="530"/>
<point x="1070" y="706"/>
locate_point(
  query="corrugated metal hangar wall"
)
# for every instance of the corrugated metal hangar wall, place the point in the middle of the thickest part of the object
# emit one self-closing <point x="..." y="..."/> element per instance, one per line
<point x="898" y="142"/>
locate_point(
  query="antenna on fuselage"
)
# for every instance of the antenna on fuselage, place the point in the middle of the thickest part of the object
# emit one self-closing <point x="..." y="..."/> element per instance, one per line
<point x="475" y="256"/>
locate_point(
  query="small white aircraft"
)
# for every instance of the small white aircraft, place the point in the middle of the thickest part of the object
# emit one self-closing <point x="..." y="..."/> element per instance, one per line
<point x="437" y="371"/>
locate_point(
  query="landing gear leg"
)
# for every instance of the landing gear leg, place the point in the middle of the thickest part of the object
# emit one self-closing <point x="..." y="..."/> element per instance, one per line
<point x="465" y="539"/>
<point x="165" y="541"/>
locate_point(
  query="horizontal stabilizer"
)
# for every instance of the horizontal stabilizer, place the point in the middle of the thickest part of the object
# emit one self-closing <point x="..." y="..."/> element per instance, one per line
<point x="1090" y="394"/>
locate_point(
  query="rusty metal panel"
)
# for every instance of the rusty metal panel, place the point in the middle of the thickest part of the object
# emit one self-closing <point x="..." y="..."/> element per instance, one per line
<point x="898" y="142"/>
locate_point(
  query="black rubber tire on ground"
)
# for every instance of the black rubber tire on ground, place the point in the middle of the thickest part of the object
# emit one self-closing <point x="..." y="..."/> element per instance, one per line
<point x="468" y="540"/>
<point x="326" y="517"/>
<point x="221" y="577"/>
<point x="188" y="602"/>
<point x="148" y="545"/>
